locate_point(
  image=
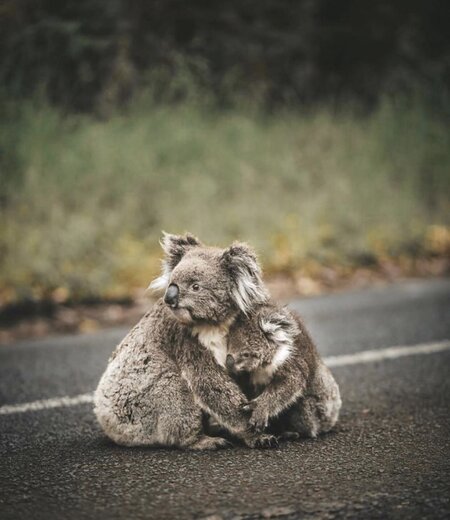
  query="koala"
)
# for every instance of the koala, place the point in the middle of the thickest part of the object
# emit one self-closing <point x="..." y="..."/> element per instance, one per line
<point x="170" y="368"/>
<point x="275" y="362"/>
<point x="254" y="352"/>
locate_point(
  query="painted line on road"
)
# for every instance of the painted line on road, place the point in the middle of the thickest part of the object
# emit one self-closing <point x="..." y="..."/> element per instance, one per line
<point x="366" y="356"/>
<point x="46" y="404"/>
<point x="370" y="356"/>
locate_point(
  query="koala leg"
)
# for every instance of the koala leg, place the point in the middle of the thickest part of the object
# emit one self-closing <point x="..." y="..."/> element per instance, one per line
<point x="289" y="436"/>
<point x="183" y="425"/>
<point x="303" y="419"/>
<point x="150" y="408"/>
<point x="312" y="414"/>
<point x="327" y="398"/>
<point x="308" y="417"/>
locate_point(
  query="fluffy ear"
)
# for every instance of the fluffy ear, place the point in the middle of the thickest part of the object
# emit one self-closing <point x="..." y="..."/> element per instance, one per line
<point x="174" y="247"/>
<point x="281" y="329"/>
<point x="242" y="265"/>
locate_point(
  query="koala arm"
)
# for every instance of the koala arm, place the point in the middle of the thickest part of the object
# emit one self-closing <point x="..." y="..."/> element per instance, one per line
<point x="212" y="387"/>
<point x="287" y="385"/>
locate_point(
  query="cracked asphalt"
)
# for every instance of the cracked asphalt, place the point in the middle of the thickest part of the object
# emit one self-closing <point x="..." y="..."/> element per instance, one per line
<point x="389" y="456"/>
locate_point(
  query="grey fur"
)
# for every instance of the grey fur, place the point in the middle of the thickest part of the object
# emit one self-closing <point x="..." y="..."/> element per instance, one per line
<point x="167" y="371"/>
<point x="276" y="363"/>
<point x="170" y="369"/>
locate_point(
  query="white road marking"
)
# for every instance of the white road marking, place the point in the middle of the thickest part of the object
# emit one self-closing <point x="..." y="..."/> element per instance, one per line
<point x="370" y="356"/>
<point x="45" y="404"/>
<point x="366" y="356"/>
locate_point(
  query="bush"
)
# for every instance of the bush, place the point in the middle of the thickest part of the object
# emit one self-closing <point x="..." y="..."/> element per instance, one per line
<point x="83" y="202"/>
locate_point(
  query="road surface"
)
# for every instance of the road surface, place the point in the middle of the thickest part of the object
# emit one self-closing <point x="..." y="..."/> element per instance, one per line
<point x="388" y="458"/>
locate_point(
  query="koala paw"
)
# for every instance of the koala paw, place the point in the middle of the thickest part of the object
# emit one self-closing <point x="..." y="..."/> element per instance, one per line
<point x="259" y="419"/>
<point x="210" y="443"/>
<point x="267" y="441"/>
<point x="262" y="441"/>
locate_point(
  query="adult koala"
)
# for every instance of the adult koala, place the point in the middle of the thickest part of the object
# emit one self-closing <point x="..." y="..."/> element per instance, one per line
<point x="171" y="366"/>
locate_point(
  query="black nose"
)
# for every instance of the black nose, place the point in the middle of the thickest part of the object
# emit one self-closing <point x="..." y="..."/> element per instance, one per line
<point x="230" y="361"/>
<point x="171" y="296"/>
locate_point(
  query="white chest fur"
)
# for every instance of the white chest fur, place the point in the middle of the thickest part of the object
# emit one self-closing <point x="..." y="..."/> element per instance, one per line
<point x="214" y="338"/>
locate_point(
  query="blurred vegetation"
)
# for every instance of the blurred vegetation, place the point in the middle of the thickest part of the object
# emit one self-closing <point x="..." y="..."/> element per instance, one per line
<point x="84" y="201"/>
<point x="315" y="130"/>
<point x="95" y="54"/>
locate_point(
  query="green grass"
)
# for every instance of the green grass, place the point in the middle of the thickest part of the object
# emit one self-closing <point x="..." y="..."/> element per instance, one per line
<point x="83" y="202"/>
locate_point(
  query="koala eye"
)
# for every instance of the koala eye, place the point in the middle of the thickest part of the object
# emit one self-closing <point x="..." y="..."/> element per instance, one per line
<point x="195" y="287"/>
<point x="245" y="354"/>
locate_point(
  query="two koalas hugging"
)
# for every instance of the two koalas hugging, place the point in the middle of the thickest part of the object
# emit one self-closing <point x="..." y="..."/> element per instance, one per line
<point x="215" y="361"/>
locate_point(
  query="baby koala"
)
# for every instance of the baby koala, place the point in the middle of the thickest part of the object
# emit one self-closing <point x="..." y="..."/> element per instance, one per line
<point x="258" y="346"/>
<point x="275" y="362"/>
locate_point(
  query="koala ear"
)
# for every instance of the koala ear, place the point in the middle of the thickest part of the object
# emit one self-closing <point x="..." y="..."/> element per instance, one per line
<point x="242" y="265"/>
<point x="174" y="247"/>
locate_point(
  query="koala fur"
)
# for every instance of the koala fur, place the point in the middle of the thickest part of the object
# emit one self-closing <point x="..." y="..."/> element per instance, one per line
<point x="170" y="369"/>
<point x="276" y="363"/>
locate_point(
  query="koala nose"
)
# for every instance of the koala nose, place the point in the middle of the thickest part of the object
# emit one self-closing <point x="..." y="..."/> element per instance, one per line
<point x="171" y="296"/>
<point x="229" y="361"/>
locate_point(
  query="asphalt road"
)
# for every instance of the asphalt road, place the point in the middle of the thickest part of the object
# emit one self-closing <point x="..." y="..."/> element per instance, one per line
<point x="388" y="458"/>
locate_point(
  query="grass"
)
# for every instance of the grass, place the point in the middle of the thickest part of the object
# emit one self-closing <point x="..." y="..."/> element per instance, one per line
<point x="83" y="201"/>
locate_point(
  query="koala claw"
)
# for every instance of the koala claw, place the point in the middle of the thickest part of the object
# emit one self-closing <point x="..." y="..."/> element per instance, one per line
<point x="266" y="441"/>
<point x="258" y="440"/>
<point x="225" y="445"/>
